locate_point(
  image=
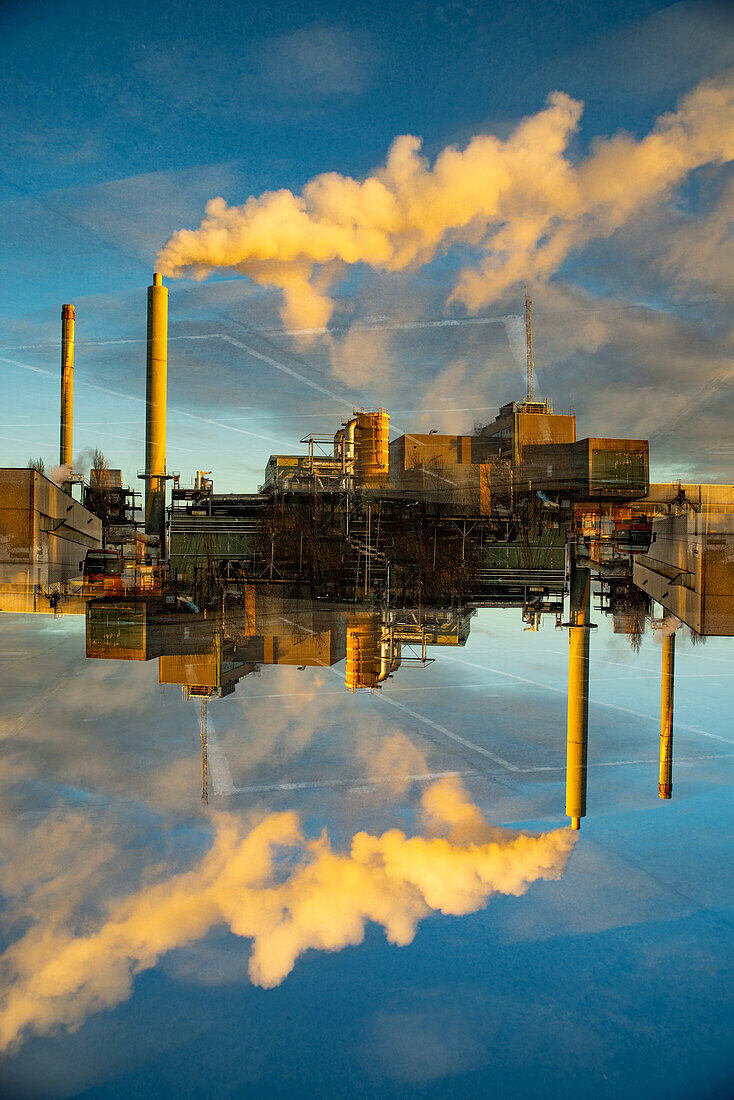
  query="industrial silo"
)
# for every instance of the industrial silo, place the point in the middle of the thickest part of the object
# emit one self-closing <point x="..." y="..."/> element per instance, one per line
<point x="372" y="460"/>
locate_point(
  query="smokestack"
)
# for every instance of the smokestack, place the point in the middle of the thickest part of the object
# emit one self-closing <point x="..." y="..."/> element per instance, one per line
<point x="67" y="388"/>
<point x="577" y="731"/>
<point x="155" y="421"/>
<point x="665" y="786"/>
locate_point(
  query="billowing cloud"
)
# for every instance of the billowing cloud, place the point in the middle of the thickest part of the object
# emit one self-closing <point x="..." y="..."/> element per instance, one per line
<point x="701" y="255"/>
<point x="521" y="205"/>
<point x="317" y="897"/>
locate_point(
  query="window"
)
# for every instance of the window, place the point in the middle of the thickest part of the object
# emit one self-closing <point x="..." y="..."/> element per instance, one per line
<point x="102" y="561"/>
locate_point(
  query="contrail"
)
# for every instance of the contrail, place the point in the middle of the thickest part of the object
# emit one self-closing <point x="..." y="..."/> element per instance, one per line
<point x="219" y="773"/>
<point x="513" y="319"/>
<point x="429" y="777"/>
<point x="319" y="692"/>
<point x="141" y="401"/>
<point x="422" y="718"/>
<point x="287" y="370"/>
<point x="592" y="702"/>
<point x="367" y="781"/>
<point x="390" y="326"/>
<point x="449" y="733"/>
<point x="270" y="361"/>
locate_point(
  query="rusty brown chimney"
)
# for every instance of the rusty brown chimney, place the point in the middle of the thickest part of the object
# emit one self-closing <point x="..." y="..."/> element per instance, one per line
<point x="67" y="384"/>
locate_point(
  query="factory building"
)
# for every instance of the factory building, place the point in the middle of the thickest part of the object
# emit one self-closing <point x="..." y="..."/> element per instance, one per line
<point x="44" y="535"/>
<point x="214" y="672"/>
<point x="689" y="568"/>
<point x="527" y="451"/>
<point x="520" y="424"/>
<point x="44" y="532"/>
<point x="466" y="466"/>
<point x="517" y="425"/>
<point x="208" y="655"/>
<point x="528" y="447"/>
<point x="589" y="469"/>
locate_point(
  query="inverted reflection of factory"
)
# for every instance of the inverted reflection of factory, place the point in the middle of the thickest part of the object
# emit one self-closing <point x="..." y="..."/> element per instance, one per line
<point x="369" y="532"/>
<point x="208" y="656"/>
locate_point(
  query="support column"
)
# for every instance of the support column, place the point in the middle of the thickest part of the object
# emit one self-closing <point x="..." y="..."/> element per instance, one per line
<point x="155" y="423"/>
<point x="577" y="730"/>
<point x="665" y="786"/>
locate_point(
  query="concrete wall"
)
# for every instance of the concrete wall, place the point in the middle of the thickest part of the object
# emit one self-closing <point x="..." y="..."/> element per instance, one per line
<point x="44" y="534"/>
<point x="410" y="451"/>
<point x="690" y="567"/>
<point x="589" y="467"/>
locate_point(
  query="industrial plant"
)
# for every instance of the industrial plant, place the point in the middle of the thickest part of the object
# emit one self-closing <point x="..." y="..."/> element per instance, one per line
<point x="370" y="550"/>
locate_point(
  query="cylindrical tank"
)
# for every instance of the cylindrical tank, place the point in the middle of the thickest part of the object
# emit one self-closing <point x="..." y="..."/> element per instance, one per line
<point x="665" y="785"/>
<point x="67" y="385"/>
<point x="155" y="424"/>
<point x="577" y="730"/>
<point x="372" y="465"/>
<point x="364" y="634"/>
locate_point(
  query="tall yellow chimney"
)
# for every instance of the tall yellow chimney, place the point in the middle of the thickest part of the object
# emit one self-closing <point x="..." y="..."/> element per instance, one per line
<point x="67" y="387"/>
<point x="577" y="731"/>
<point x="665" y="785"/>
<point x="155" y="422"/>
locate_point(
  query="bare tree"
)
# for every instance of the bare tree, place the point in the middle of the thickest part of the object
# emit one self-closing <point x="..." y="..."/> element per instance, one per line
<point x="99" y="462"/>
<point x="37" y="464"/>
<point x="100" y="466"/>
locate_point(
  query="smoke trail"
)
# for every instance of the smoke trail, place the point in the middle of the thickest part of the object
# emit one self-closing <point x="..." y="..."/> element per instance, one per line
<point x="521" y="203"/>
<point x="321" y="899"/>
<point x="59" y="474"/>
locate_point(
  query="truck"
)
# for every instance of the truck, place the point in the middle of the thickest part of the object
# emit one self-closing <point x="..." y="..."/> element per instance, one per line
<point x="102" y="572"/>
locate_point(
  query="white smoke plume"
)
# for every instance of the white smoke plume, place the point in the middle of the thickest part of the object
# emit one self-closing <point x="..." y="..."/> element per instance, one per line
<point x="522" y="203"/>
<point x="317" y="898"/>
<point x="59" y="474"/>
<point x="666" y="626"/>
<point x="395" y="759"/>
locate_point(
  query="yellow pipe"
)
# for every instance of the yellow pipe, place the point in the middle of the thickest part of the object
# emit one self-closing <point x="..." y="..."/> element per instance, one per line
<point x="155" y="424"/>
<point x="577" y="730"/>
<point x="67" y="385"/>
<point x="665" y="786"/>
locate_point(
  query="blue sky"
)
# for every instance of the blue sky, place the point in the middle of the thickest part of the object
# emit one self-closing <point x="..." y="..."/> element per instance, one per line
<point x="615" y="975"/>
<point x="119" y="124"/>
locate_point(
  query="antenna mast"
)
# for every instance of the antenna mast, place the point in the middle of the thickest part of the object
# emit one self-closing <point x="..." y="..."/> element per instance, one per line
<point x="529" y="350"/>
<point x="204" y="753"/>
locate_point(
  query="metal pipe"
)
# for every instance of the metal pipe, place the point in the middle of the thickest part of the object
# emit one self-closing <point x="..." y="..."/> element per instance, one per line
<point x="125" y="532"/>
<point x="665" y="785"/>
<point x="577" y="730"/>
<point x="155" y="423"/>
<point x="68" y="315"/>
<point x="385" y="660"/>
<point x="348" y="435"/>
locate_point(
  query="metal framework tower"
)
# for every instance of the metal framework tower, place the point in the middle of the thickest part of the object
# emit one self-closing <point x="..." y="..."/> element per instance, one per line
<point x="204" y="752"/>
<point x="529" y="349"/>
